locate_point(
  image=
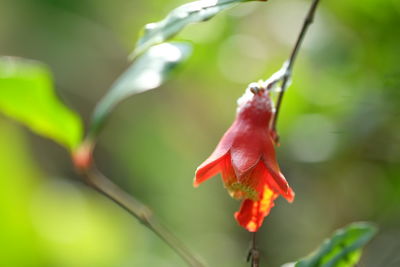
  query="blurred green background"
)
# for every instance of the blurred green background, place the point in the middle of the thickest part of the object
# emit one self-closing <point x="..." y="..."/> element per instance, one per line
<point x="339" y="127"/>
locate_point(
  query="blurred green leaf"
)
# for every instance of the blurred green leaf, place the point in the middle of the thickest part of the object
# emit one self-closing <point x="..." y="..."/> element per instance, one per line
<point x="148" y="72"/>
<point x="177" y="19"/>
<point x="27" y="95"/>
<point x="343" y="249"/>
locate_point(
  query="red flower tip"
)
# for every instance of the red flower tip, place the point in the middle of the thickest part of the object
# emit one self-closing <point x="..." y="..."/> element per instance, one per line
<point x="245" y="157"/>
<point x="195" y="183"/>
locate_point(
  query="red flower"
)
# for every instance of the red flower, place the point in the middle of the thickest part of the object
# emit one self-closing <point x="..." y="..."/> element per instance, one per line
<point x="245" y="157"/>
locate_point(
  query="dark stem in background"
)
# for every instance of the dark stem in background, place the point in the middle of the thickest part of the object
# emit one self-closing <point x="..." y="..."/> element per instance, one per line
<point x="287" y="71"/>
<point x="254" y="253"/>
<point x="95" y="179"/>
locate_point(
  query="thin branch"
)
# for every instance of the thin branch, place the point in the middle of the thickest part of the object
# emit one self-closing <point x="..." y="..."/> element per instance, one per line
<point x="102" y="184"/>
<point x="286" y="71"/>
<point x="254" y="254"/>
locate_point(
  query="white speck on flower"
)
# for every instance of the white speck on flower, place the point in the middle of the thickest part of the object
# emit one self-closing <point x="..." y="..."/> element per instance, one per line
<point x="247" y="96"/>
<point x="259" y="102"/>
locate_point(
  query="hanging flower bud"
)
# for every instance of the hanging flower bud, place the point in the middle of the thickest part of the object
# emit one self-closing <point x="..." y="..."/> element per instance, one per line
<point x="245" y="158"/>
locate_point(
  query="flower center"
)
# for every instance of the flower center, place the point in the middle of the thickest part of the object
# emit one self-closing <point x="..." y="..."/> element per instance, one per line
<point x="239" y="190"/>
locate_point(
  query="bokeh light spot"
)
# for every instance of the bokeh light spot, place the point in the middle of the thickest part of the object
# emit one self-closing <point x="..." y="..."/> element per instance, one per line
<point x="312" y="138"/>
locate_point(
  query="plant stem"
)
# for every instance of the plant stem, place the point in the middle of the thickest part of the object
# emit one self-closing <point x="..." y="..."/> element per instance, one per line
<point x="254" y="253"/>
<point x="288" y="66"/>
<point x="102" y="184"/>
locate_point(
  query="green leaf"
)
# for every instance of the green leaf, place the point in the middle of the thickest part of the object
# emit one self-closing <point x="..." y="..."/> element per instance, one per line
<point x="343" y="249"/>
<point x="148" y="72"/>
<point x="177" y="19"/>
<point x="27" y="95"/>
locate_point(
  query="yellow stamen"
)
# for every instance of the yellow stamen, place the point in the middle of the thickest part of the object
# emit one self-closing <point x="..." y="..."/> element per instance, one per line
<point x="239" y="190"/>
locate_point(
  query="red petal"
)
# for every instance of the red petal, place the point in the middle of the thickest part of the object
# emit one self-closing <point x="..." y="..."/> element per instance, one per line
<point x="251" y="214"/>
<point x="210" y="166"/>
<point x="228" y="174"/>
<point x="205" y="172"/>
<point x="278" y="181"/>
<point x="246" y="149"/>
<point x="251" y="124"/>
